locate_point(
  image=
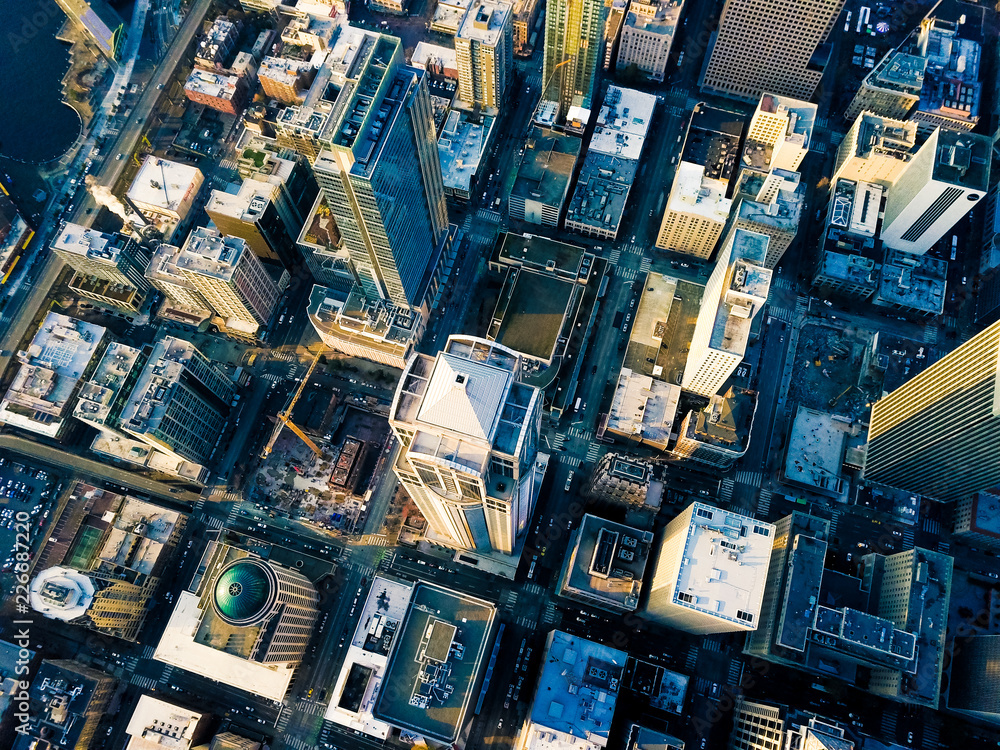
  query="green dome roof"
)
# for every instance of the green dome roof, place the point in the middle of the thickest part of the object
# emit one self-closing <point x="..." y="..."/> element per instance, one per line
<point x="242" y="590"/>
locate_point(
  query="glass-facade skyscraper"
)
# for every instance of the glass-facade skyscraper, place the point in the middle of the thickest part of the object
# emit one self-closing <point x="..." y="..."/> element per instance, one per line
<point x="381" y="175"/>
<point x="574" y="35"/>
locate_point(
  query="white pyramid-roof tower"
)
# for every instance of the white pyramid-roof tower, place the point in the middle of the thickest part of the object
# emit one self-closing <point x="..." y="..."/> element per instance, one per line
<point x="465" y="396"/>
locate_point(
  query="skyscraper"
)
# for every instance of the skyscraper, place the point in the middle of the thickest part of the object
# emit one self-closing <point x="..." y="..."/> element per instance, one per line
<point x="469" y="431"/>
<point x="939" y="434"/>
<point x="484" y="48"/>
<point x="941" y="184"/>
<point x="109" y="269"/>
<point x="180" y="401"/>
<point x="769" y="45"/>
<point x="735" y="292"/>
<point x="382" y="177"/>
<point x="710" y="571"/>
<point x="574" y="35"/>
<point x="875" y="149"/>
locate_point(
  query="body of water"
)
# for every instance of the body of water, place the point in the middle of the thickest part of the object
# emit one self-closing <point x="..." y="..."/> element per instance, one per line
<point x="35" y="125"/>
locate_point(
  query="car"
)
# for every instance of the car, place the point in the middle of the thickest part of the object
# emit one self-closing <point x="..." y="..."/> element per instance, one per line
<point x="828" y="303"/>
<point x="685" y="265"/>
<point x="119" y="157"/>
<point x="909" y="738"/>
<point x="569" y="483"/>
<point x="964" y="279"/>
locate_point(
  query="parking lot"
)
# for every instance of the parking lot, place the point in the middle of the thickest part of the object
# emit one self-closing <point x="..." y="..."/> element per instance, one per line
<point x="23" y="489"/>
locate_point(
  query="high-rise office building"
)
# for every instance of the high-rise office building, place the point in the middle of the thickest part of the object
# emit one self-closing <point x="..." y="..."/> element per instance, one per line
<point x="574" y="33"/>
<point x="180" y="401"/>
<point x="942" y="182"/>
<point x="469" y="431"/>
<point x="939" y="434"/>
<point x="269" y="210"/>
<point x="699" y="201"/>
<point x="101" y="23"/>
<point x="779" y="134"/>
<point x="66" y="702"/>
<point x="763" y="45"/>
<point x="875" y="149"/>
<point x="933" y="77"/>
<point x="710" y="571"/>
<point x="771" y="204"/>
<point x="382" y="177"/>
<point x="484" y="47"/>
<point x="975" y="682"/>
<point x="759" y="726"/>
<point x="977" y="520"/>
<point x="735" y="292"/>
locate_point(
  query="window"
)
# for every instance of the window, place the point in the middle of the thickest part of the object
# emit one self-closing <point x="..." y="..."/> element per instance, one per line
<point x="745" y="616"/>
<point x="685" y="597"/>
<point x="761" y="530"/>
<point x="703" y="513"/>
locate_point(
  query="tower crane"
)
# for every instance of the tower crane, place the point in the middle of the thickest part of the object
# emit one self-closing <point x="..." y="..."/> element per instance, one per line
<point x="285" y="415"/>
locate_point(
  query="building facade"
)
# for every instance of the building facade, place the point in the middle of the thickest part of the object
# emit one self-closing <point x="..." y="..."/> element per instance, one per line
<point x="647" y="35"/>
<point x="939" y="434"/>
<point x="574" y="33"/>
<point x="763" y="45"/>
<point x="484" y="47"/>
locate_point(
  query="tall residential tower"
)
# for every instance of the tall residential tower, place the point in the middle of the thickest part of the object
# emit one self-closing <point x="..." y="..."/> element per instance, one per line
<point x="574" y="35"/>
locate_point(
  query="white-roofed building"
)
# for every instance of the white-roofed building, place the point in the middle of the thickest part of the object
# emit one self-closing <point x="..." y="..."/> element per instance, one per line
<point x="470" y="431"/>
<point x="710" y="571"/>
<point x="165" y="189"/>
<point x="158" y="725"/>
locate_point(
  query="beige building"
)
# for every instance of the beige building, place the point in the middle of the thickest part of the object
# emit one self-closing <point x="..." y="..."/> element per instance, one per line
<point x="710" y="571"/>
<point x="647" y="35"/>
<point x="284" y="79"/>
<point x="768" y="45"/>
<point x="699" y="202"/>
<point x="772" y="205"/>
<point x="736" y="291"/>
<point x="158" y="725"/>
<point x="217" y="273"/>
<point x="779" y="134"/>
<point x="484" y="47"/>
<point x="525" y="17"/>
<point x="876" y="149"/>
<point x="110" y="269"/>
<point x="939" y="433"/>
<point x="574" y="35"/>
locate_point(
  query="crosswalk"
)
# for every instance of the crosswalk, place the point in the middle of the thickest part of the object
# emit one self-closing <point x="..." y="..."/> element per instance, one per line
<point x="550" y="615"/>
<point x="311" y="708"/>
<point x="526" y="622"/>
<point x="582" y="434"/>
<point x="932" y="734"/>
<point x="593" y="453"/>
<point x="375" y="540"/>
<point x="930" y="333"/>
<point x="692" y="658"/>
<point x="167" y="671"/>
<point x="615" y="256"/>
<point x="751" y="478"/>
<point x="801" y="305"/>
<point x="487" y="215"/>
<point x="889" y="721"/>
<point x="944" y="548"/>
<point x="781" y="313"/>
<point x="146" y="683"/>
<point x="214" y="523"/>
<point x="932" y="526"/>
<point x="633" y="248"/>
<point x="764" y="503"/>
<point x="282" y="724"/>
<point x="628" y="274"/>
<point x="148" y="651"/>
<point x="558" y="441"/>
<point x="907" y="537"/>
<point x="198" y="505"/>
<point x="833" y="522"/>
<point x="711" y="645"/>
<point x="509" y="600"/>
<point x="645" y="265"/>
<point x="294" y="742"/>
<point x="782" y="283"/>
<point x="272" y="377"/>
<point x="233" y="515"/>
<point x="735" y="672"/>
<point x="726" y="490"/>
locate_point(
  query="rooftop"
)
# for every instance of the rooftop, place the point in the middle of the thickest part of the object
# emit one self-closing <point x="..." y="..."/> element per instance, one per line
<point x="712" y="142"/>
<point x="606" y="564"/>
<point x="434" y="57"/>
<point x="485" y="21"/>
<point x="62" y="698"/>
<point x="854" y="207"/>
<point x="283" y="70"/>
<point x="642" y="738"/>
<point x="743" y="293"/>
<point x="164" y="184"/>
<point x="158" y="724"/>
<point x="539" y="253"/>
<point x="655" y="17"/>
<point x="355" y="316"/>
<point x="216" y="85"/>
<point x="815" y="453"/>
<point x="435" y="663"/>
<point x="963" y="159"/>
<point x="576" y="694"/>
<point x="57" y="358"/>
<point x="694" y="192"/>
<point x="879" y="136"/>
<point x="724" y="564"/>
<point x="622" y="123"/>
<point x="546" y="167"/>
<point x="534" y="309"/>
<point x="61" y="593"/>
<point x="248" y="203"/>
<point x="462" y="146"/>
<point x="784" y="213"/>
<point x="80" y="240"/>
<point x="986" y="514"/>
<point x="361" y="676"/>
<point x="916" y="282"/>
<point x="763" y="144"/>
<point x="726" y="421"/>
<point x="643" y="408"/>
<point x="208" y="253"/>
<point x="602" y="190"/>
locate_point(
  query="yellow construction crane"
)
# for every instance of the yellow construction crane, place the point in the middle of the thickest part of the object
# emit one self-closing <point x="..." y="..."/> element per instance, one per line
<point x="285" y="415"/>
